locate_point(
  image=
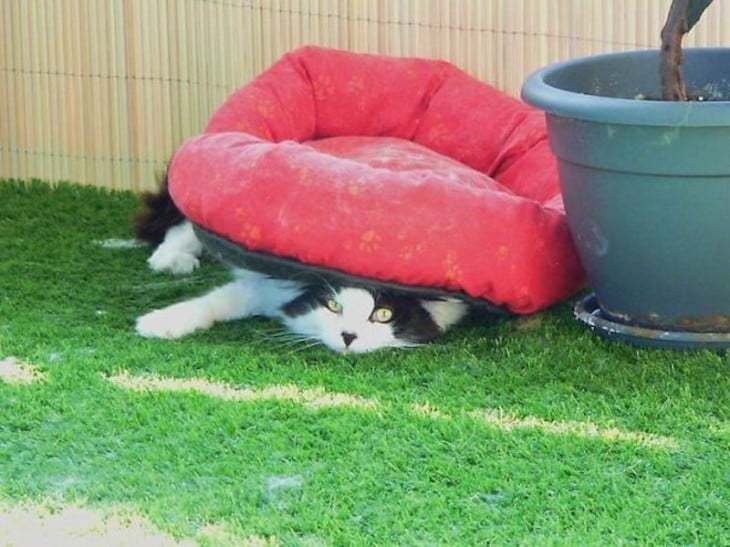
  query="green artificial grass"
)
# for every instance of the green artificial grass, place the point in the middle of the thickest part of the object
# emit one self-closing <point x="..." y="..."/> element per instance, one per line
<point x="526" y="431"/>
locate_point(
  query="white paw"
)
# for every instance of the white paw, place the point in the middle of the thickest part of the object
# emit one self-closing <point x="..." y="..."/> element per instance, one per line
<point x="172" y="322"/>
<point x="176" y="262"/>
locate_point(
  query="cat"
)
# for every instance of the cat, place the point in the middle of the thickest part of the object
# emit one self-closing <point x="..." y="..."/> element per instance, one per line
<point x="344" y="318"/>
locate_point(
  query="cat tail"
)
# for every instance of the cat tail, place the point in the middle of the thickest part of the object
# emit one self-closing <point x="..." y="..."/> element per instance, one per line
<point x="157" y="214"/>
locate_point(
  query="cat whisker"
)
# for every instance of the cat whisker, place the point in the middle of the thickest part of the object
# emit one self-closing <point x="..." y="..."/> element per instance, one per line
<point x="301" y="346"/>
<point x="305" y="347"/>
<point x="294" y="340"/>
<point x="284" y="335"/>
<point x="290" y="343"/>
<point x="291" y="340"/>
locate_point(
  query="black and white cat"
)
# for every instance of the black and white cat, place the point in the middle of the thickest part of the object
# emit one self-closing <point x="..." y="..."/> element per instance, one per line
<point x="354" y="319"/>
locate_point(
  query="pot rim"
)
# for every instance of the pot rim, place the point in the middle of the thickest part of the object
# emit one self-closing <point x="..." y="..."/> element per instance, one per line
<point x="554" y="100"/>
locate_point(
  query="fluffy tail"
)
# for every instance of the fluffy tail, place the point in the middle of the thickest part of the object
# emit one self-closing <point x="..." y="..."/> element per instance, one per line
<point x="157" y="214"/>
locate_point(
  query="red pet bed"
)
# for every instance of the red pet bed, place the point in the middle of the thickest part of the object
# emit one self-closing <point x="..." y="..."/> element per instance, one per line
<point x="397" y="170"/>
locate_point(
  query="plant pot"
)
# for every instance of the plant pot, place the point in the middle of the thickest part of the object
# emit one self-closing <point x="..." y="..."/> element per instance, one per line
<point x="646" y="185"/>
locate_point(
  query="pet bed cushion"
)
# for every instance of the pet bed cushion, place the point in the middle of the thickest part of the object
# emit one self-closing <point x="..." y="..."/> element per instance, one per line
<point x="401" y="170"/>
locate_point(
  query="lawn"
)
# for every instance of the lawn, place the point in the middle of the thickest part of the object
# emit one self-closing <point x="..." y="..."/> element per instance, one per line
<point x="526" y="430"/>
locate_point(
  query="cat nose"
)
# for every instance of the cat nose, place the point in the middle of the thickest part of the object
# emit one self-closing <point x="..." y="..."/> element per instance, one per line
<point x="348" y="338"/>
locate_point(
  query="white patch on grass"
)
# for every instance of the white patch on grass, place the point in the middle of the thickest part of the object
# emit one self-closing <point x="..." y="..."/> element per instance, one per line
<point x="509" y="422"/>
<point x="116" y="243"/>
<point x="12" y="371"/>
<point x="277" y="488"/>
<point x="429" y="411"/>
<point x="56" y="525"/>
<point x="34" y="524"/>
<point x="312" y="398"/>
<point x="278" y="482"/>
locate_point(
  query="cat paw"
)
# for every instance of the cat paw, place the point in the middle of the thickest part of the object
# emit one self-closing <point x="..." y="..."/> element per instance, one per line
<point x="171" y="322"/>
<point x="176" y="262"/>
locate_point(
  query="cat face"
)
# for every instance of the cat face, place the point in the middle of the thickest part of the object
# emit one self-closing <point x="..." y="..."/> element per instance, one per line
<point x="360" y="320"/>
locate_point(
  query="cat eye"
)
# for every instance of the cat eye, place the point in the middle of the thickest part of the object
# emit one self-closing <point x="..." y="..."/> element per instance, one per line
<point x="382" y="315"/>
<point x="333" y="305"/>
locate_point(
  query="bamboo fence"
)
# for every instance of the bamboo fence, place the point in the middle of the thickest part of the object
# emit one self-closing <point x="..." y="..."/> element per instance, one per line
<point x="102" y="91"/>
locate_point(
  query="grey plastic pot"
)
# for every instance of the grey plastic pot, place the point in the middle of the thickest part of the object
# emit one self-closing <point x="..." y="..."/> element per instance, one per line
<point x="646" y="185"/>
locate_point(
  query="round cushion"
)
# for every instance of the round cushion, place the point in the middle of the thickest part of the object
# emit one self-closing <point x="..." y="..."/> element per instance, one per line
<point x="395" y="169"/>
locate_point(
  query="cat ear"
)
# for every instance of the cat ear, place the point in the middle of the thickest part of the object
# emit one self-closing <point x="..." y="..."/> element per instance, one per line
<point x="445" y="313"/>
